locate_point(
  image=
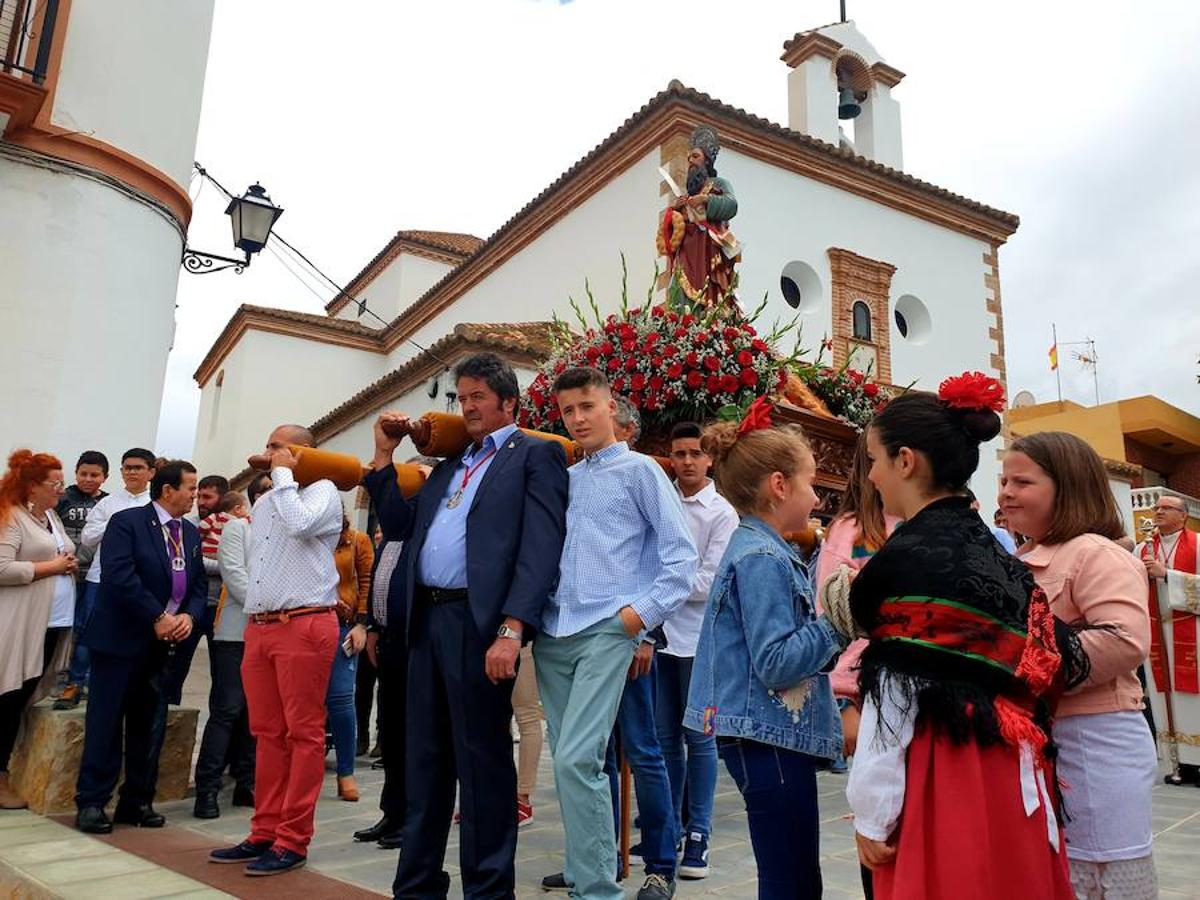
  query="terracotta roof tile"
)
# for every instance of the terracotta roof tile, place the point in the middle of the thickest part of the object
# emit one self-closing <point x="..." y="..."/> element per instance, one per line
<point x="349" y="326"/>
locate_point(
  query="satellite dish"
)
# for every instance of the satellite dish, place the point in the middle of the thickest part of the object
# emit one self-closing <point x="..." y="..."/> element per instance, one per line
<point x="1024" y="398"/>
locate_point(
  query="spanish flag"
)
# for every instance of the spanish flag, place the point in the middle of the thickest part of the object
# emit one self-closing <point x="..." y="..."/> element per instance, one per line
<point x="1053" y="357"/>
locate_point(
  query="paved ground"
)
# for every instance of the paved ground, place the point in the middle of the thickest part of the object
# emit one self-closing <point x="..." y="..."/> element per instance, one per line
<point x="539" y="851"/>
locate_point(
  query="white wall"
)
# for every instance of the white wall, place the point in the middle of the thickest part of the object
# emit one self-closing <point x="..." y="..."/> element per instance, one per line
<point x="87" y="310"/>
<point x="587" y="243"/>
<point x="274" y="379"/>
<point x="396" y="288"/>
<point x="784" y="217"/>
<point x="133" y="74"/>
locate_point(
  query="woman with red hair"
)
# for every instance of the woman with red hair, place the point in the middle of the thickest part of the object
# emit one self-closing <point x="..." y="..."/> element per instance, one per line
<point x="37" y="565"/>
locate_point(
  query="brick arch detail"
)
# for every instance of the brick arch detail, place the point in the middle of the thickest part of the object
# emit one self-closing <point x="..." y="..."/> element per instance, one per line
<point x="854" y="277"/>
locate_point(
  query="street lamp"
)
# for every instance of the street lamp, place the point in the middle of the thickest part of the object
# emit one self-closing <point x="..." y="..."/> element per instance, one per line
<point x="252" y="215"/>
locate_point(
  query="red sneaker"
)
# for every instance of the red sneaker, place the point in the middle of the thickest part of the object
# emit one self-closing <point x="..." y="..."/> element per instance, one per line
<point x="524" y="814"/>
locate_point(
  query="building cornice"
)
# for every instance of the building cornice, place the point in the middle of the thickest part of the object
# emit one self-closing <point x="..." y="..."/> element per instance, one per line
<point x="306" y="326"/>
<point x="678" y="110"/>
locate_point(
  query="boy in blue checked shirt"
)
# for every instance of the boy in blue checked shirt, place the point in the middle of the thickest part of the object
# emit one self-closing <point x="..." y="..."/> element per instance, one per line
<point x="627" y="563"/>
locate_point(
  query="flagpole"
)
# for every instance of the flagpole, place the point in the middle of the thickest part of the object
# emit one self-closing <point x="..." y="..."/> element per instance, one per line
<point x="1057" y="368"/>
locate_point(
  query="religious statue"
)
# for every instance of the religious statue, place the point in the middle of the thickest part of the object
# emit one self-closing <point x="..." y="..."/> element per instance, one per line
<point x="694" y="232"/>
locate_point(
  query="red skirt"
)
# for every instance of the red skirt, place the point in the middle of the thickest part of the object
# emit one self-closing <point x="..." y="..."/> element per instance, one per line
<point x="964" y="835"/>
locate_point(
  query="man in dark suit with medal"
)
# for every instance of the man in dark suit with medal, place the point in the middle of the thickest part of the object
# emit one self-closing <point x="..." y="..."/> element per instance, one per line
<point x="482" y="540"/>
<point x="152" y="590"/>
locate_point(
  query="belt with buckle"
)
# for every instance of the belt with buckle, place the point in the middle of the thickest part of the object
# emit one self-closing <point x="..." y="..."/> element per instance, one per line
<point x="283" y="615"/>
<point x="437" y="596"/>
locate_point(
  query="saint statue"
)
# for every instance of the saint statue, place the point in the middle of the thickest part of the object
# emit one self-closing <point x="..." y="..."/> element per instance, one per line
<point x="694" y="232"/>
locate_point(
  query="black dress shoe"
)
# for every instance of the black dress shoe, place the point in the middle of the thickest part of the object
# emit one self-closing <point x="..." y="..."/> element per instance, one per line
<point x="92" y="820"/>
<point x="391" y="840"/>
<point x="143" y="816"/>
<point x="243" y="796"/>
<point x="206" y="807"/>
<point x="375" y="832"/>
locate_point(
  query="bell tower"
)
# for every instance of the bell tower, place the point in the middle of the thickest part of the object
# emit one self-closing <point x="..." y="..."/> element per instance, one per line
<point x="837" y="74"/>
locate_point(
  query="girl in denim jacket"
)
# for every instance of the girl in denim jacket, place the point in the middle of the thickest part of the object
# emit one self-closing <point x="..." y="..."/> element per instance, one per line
<point x="759" y="681"/>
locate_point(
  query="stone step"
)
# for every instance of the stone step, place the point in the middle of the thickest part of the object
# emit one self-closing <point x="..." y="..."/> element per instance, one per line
<point x="45" y="762"/>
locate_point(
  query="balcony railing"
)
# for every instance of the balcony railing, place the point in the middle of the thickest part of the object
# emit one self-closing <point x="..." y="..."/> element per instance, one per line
<point x="26" y="33"/>
<point x="1146" y="498"/>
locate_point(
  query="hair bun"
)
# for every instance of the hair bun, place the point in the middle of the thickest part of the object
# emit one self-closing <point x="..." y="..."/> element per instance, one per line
<point x="718" y="440"/>
<point x="19" y="459"/>
<point x="980" y="424"/>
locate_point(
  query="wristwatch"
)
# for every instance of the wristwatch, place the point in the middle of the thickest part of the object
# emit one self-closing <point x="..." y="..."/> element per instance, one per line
<point x="506" y="632"/>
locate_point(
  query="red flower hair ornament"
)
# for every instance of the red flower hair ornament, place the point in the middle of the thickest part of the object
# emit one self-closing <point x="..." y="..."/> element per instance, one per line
<point x="757" y="416"/>
<point x="972" y="391"/>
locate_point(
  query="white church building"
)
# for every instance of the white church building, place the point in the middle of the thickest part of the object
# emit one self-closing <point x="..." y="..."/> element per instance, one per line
<point x="900" y="274"/>
<point x="99" y="109"/>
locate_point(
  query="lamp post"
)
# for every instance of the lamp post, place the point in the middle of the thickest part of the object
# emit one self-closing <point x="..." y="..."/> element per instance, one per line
<point x="252" y="215"/>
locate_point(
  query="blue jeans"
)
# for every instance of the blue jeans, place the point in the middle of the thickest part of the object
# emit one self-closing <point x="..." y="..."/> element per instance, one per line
<point x="699" y="772"/>
<point x="639" y="739"/>
<point x="339" y="705"/>
<point x="85" y="602"/>
<point x="779" y="788"/>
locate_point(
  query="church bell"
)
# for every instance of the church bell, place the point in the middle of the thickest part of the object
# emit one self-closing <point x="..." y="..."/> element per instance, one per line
<point x="848" y="107"/>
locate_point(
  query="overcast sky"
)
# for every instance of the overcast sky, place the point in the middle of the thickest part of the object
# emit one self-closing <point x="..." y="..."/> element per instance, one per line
<point x="364" y="118"/>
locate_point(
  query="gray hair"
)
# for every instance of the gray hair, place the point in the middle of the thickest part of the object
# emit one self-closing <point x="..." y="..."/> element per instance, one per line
<point x="628" y="416"/>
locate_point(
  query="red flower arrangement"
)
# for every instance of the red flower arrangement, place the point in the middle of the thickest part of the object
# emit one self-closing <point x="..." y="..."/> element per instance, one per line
<point x="670" y="362"/>
<point x="972" y="390"/>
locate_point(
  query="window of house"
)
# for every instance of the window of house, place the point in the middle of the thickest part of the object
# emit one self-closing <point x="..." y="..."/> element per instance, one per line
<point x="862" y="321"/>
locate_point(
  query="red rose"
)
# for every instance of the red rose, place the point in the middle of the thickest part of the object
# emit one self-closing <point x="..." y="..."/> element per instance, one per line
<point x="658" y="312"/>
<point x="855" y="375"/>
<point x="669" y="396"/>
<point x="672" y="317"/>
<point x="674" y="370"/>
<point x="749" y="329"/>
<point x="729" y="384"/>
<point x="592" y="354"/>
<point x="614" y="364"/>
<point x="560" y="367"/>
<point x="628" y="346"/>
<point x="713" y="384"/>
<point x="760" y="345"/>
<point x="636" y="400"/>
<point x="652" y="339"/>
<point x="656" y="383"/>
<point x="631" y="364"/>
<point x="618" y="384"/>
<point x="692" y="359"/>
<point x="637" y="382"/>
<point x="635" y="312"/>
<point x="688" y="320"/>
<point x="871" y="389"/>
<point x="694" y="379"/>
<point x="610" y="327"/>
<point x="651" y="402"/>
<point x="745" y="358"/>
<point x="749" y="377"/>
<point x="538" y="398"/>
<point x="680" y="332"/>
<point x="730" y="332"/>
<point x="712" y="363"/>
<point x="655" y="362"/>
<point x="628" y="332"/>
<point x="606" y="348"/>
<point x="554" y="414"/>
<point x="670" y="350"/>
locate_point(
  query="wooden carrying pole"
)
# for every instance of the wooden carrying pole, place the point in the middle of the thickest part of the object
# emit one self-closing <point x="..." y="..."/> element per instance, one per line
<point x="626" y="813"/>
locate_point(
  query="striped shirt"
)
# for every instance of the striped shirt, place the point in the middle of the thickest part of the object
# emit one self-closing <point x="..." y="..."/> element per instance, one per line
<point x="210" y="532"/>
<point x="627" y="544"/>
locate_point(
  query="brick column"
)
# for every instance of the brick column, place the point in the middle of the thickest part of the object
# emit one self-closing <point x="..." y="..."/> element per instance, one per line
<point x="852" y="278"/>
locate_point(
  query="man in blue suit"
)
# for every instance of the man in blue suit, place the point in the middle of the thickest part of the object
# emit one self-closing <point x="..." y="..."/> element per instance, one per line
<point x="152" y="590"/>
<point x="482" y="541"/>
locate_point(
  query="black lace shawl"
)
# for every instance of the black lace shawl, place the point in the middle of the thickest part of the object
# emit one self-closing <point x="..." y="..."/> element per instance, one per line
<point x="947" y="552"/>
